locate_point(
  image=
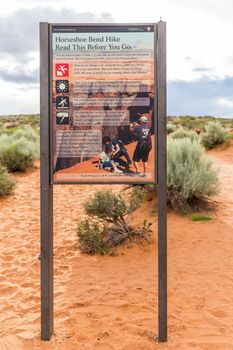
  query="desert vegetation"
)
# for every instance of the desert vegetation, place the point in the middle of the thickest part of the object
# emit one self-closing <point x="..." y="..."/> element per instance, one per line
<point x="191" y="177"/>
<point x="198" y="123"/>
<point x="181" y="133"/>
<point x="19" y="150"/>
<point x="215" y="134"/>
<point x="171" y="128"/>
<point x="7" y="182"/>
<point x="10" y="123"/>
<point x="106" y="226"/>
<point x="19" y="147"/>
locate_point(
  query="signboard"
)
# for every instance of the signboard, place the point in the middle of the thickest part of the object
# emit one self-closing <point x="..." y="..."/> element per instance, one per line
<point x="103" y="120"/>
<point x="103" y="104"/>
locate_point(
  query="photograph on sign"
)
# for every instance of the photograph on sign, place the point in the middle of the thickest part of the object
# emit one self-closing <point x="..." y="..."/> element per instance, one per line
<point x="103" y="104"/>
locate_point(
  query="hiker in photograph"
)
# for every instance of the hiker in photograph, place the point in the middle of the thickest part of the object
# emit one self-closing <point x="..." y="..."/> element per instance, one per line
<point x="106" y="162"/>
<point x="118" y="149"/>
<point x="144" y="145"/>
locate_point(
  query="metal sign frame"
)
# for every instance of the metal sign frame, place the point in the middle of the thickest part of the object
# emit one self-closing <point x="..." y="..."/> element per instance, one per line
<point x="46" y="201"/>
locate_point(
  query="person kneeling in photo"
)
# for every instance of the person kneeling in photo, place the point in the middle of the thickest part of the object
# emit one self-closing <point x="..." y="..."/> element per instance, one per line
<point x="106" y="161"/>
<point x="119" y="150"/>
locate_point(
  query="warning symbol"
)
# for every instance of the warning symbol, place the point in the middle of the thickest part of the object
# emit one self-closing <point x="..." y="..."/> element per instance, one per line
<point x="62" y="69"/>
<point x="62" y="86"/>
<point x="62" y="102"/>
<point x="62" y="118"/>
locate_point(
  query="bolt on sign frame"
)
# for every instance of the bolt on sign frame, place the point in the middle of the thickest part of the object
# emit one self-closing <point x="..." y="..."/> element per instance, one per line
<point x="61" y="120"/>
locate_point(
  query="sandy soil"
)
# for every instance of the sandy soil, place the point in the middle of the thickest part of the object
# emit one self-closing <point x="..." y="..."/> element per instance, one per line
<point x="111" y="302"/>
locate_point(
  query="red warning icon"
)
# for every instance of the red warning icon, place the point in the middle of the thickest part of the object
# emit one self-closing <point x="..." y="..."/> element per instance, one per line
<point x="62" y="70"/>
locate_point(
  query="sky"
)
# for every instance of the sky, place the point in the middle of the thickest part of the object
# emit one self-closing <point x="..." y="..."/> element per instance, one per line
<point x="199" y="48"/>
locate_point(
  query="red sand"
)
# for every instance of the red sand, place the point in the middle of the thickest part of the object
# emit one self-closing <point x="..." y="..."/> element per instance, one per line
<point x="111" y="302"/>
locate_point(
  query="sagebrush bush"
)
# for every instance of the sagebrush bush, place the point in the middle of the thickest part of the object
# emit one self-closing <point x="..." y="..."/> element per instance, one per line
<point x="136" y="198"/>
<point x="7" y="182"/>
<point x="112" y="207"/>
<point x="181" y="133"/>
<point x="170" y="128"/>
<point x="92" y="237"/>
<point x="29" y="133"/>
<point x="17" y="153"/>
<point x="107" y="226"/>
<point x="214" y="134"/>
<point x="106" y="205"/>
<point x="229" y="136"/>
<point x="191" y="177"/>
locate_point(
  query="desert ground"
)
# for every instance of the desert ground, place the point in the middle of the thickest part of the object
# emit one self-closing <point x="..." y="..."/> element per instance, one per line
<point x="110" y="302"/>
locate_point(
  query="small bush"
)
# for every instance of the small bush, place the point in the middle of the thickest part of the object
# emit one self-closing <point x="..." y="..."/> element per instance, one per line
<point x="136" y="198"/>
<point x="29" y="134"/>
<point x="17" y="153"/>
<point x="7" y="182"/>
<point x="107" y="226"/>
<point x="170" y="128"/>
<point x="191" y="178"/>
<point x="182" y="133"/>
<point x="106" y="205"/>
<point x="214" y="134"/>
<point x="111" y="207"/>
<point x="92" y="237"/>
<point x="229" y="136"/>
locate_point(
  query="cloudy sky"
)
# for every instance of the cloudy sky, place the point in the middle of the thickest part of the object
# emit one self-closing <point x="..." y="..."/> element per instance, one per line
<point x="199" y="44"/>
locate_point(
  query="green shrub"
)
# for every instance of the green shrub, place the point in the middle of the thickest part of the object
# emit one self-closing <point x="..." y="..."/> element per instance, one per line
<point x="106" y="205"/>
<point x="111" y="207"/>
<point x="170" y="128"/>
<point x="29" y="134"/>
<point x="136" y="198"/>
<point x="191" y="178"/>
<point x="181" y="133"/>
<point x="107" y="226"/>
<point x="7" y="182"/>
<point x="214" y="135"/>
<point x="19" y="120"/>
<point x="17" y="154"/>
<point x="229" y="136"/>
<point x="92" y="237"/>
<point x="8" y="131"/>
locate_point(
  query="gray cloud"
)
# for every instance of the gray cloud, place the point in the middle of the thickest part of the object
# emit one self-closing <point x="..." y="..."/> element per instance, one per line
<point x="202" y="69"/>
<point x="21" y="37"/>
<point x="200" y="97"/>
<point x="20" y="75"/>
<point x="21" y="28"/>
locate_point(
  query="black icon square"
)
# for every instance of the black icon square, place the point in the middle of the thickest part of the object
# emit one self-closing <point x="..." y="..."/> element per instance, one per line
<point x="62" y="102"/>
<point x="62" y="86"/>
<point x="62" y="118"/>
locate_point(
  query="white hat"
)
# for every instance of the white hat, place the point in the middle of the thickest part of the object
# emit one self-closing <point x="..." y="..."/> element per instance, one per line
<point x="144" y="119"/>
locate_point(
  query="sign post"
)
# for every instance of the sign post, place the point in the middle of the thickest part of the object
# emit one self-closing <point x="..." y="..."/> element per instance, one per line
<point x="162" y="183"/>
<point x="46" y="199"/>
<point x="103" y="121"/>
